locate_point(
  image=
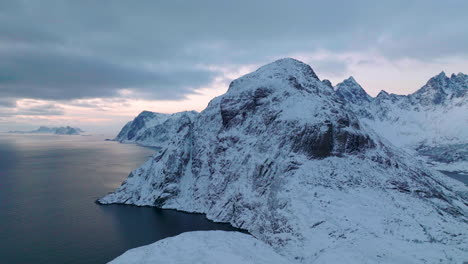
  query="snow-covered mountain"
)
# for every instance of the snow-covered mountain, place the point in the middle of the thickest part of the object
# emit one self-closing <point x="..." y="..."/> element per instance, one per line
<point x="154" y="129"/>
<point x="433" y="121"/>
<point x="67" y="130"/>
<point x="281" y="155"/>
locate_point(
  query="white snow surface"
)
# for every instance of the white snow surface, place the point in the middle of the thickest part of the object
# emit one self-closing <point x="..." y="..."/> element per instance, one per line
<point x="281" y="155"/>
<point x="207" y="247"/>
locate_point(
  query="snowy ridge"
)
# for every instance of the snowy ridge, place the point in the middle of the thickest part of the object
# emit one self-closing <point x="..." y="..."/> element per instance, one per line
<point x="281" y="155"/>
<point x="432" y="118"/>
<point x="208" y="247"/>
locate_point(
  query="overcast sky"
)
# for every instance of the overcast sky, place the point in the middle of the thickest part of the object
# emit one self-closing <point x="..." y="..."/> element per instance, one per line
<point x="96" y="64"/>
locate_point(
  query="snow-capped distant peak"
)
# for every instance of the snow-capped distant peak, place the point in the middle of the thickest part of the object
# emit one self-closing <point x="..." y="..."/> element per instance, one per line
<point x="383" y="94"/>
<point x="351" y="80"/>
<point x="440" y="89"/>
<point x="433" y="116"/>
<point x="351" y="90"/>
<point x="441" y="75"/>
<point x="460" y="75"/>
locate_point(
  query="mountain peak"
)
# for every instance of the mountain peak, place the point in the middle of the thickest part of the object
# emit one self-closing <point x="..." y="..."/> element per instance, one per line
<point x="460" y="78"/>
<point x="440" y="88"/>
<point x="382" y="94"/>
<point x="441" y="75"/>
<point x="439" y="80"/>
<point x="281" y="75"/>
<point x="288" y="66"/>
<point x="351" y="80"/>
<point x="146" y="112"/>
<point x="351" y="90"/>
<point x="291" y="62"/>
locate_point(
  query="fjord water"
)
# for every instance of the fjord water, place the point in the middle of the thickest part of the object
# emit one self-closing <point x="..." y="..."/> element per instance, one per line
<point x="48" y="185"/>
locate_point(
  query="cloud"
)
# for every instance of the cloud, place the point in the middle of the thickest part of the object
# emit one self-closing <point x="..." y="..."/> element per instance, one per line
<point x="54" y="75"/>
<point x="85" y="56"/>
<point x="41" y="110"/>
<point x="7" y="102"/>
<point x="95" y="49"/>
<point x="331" y="67"/>
<point x="29" y="108"/>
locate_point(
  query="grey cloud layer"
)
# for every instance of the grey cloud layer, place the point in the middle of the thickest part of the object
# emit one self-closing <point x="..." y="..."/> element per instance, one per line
<point x="7" y="102"/>
<point x="39" y="110"/>
<point x="86" y="49"/>
<point x="48" y="109"/>
<point x="54" y="75"/>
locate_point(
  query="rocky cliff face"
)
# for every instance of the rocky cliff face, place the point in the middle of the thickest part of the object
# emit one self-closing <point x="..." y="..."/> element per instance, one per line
<point x="431" y="122"/>
<point x="281" y="155"/>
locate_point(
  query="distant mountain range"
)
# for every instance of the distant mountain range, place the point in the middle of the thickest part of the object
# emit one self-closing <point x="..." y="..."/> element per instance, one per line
<point x="322" y="174"/>
<point x="431" y="122"/>
<point x="67" y="130"/>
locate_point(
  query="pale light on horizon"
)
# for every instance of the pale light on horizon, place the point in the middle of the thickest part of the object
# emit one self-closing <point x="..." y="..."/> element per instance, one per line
<point x="145" y="56"/>
<point x="108" y="115"/>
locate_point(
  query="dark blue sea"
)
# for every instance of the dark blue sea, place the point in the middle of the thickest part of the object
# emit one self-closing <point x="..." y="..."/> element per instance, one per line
<point x="48" y="214"/>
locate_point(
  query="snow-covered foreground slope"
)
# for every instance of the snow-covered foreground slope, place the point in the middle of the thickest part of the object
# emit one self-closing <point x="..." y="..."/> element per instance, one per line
<point x="281" y="155"/>
<point x="433" y="121"/>
<point x="154" y="129"/>
<point x="208" y="247"/>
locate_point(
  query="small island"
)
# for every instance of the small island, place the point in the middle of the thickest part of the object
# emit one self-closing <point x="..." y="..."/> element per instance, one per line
<point x="66" y="130"/>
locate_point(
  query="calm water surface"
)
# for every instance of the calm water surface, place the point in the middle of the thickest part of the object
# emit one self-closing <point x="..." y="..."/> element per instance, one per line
<point x="48" y="185"/>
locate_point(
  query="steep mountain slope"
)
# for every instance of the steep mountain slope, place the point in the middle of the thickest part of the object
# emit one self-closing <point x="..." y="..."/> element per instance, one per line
<point x="153" y="129"/>
<point x="208" y="247"/>
<point x="432" y="121"/>
<point x="281" y="155"/>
